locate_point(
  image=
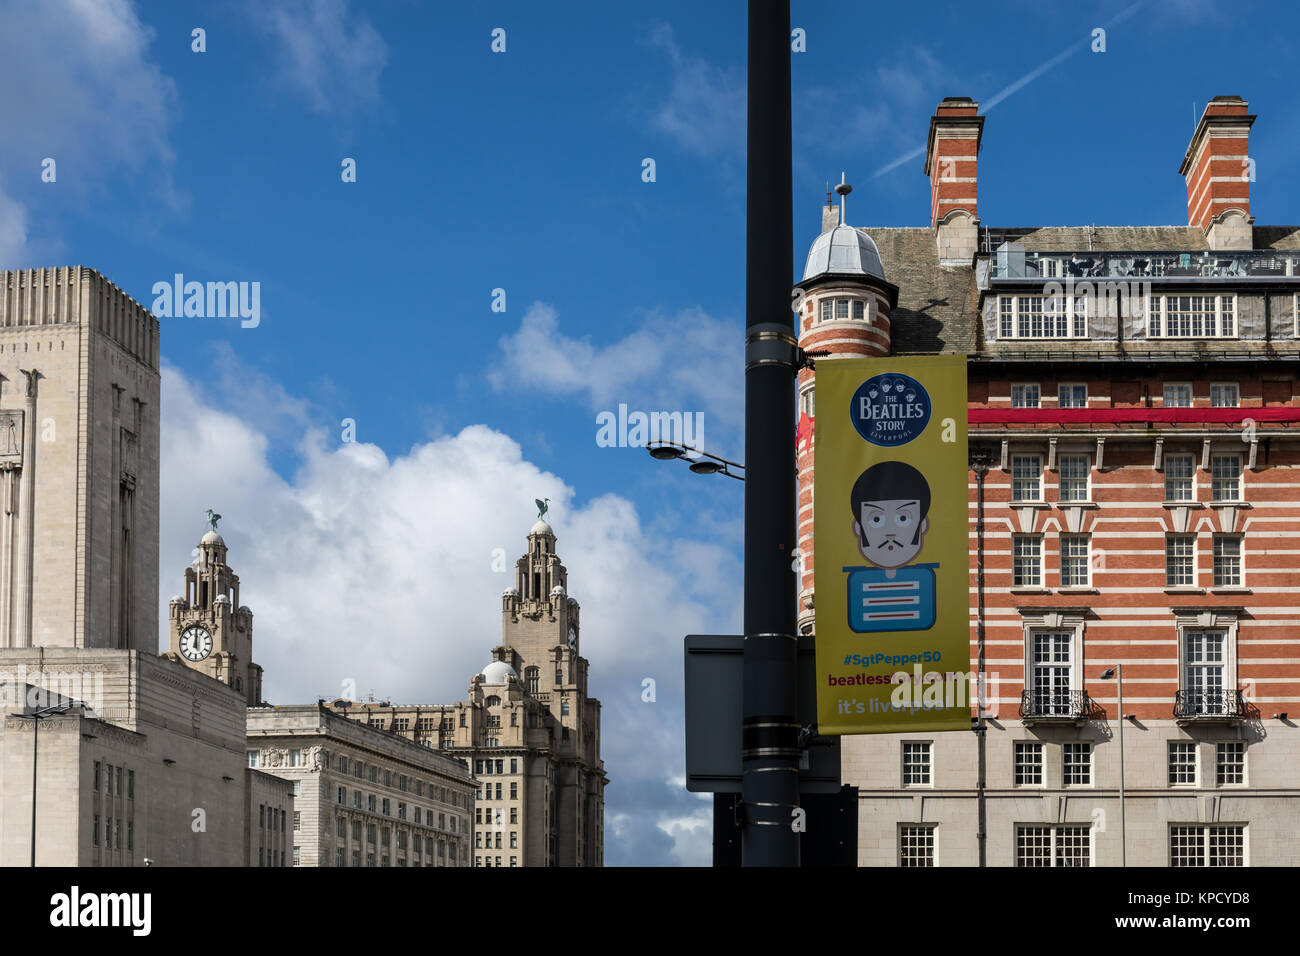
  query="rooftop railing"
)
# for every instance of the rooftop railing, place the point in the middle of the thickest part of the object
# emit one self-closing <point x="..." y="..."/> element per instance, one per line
<point x="1012" y="262"/>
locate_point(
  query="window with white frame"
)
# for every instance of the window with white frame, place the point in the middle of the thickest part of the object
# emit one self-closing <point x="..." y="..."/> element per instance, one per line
<point x="1180" y="472"/>
<point x="1191" y="316"/>
<point x="1205" y="666"/>
<point x="1026" y="395"/>
<point x="1067" y="845"/>
<point x="1227" y="560"/>
<point x="1051" y="672"/>
<point x="1224" y="395"/>
<point x="1230" y="762"/>
<point x="916" y="763"/>
<point x="1076" y="764"/>
<point x="1026" y="477"/>
<point x="1074" y="472"/>
<point x="1072" y="396"/>
<point x="1042" y="317"/>
<point x="808" y="401"/>
<point x="1180" y="561"/>
<point x="1074" y="560"/>
<point x="916" y="844"/>
<point x="1225" y="476"/>
<point x="1178" y="395"/>
<point x="1206" y="845"/>
<point x="1028" y="763"/>
<point x="840" y="309"/>
<point x="1182" y="763"/>
<point x="1026" y="561"/>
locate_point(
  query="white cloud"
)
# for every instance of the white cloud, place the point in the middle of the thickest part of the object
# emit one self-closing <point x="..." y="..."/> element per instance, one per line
<point x="330" y="56"/>
<point x="378" y="569"/>
<point x="669" y="363"/>
<point x="705" y="108"/>
<point x="87" y="96"/>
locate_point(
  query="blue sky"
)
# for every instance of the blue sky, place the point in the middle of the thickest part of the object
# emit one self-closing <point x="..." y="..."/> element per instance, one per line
<point x="373" y="560"/>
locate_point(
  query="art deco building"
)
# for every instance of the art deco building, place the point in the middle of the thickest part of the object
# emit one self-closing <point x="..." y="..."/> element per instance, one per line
<point x="1135" y="426"/>
<point x="146" y="759"/>
<point x="528" y="730"/>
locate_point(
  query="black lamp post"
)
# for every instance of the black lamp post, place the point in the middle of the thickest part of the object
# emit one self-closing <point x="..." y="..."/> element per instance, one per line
<point x="36" y="716"/>
<point x="981" y="458"/>
<point x="770" y="753"/>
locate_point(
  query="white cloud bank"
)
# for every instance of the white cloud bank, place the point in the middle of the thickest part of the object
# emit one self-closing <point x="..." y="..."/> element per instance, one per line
<point x="378" y="569"/>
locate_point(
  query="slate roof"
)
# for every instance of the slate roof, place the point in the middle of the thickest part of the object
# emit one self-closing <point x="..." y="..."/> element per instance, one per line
<point x="938" y="305"/>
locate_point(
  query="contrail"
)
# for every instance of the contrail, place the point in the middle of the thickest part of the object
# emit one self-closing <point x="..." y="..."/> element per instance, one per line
<point x="1021" y="83"/>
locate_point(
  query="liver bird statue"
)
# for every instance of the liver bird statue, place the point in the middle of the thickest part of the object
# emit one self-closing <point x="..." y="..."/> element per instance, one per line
<point x="213" y="518"/>
<point x="543" y="506"/>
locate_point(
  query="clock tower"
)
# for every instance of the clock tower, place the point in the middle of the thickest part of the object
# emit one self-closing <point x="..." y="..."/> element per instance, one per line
<point x="541" y="623"/>
<point x="209" y="630"/>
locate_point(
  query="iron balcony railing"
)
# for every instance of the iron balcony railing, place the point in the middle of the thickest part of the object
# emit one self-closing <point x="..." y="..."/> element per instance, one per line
<point x="1038" y="704"/>
<point x="1009" y="261"/>
<point x="1215" y="703"/>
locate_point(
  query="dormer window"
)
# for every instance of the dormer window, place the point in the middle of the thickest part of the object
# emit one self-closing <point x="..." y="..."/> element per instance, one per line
<point x="1042" y="317"/>
<point x="1192" y="316"/>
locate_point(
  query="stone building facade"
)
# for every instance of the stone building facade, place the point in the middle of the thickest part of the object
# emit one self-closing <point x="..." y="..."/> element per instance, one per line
<point x="267" y="837"/>
<point x="208" y="628"/>
<point x="362" y="796"/>
<point x="528" y="731"/>
<point x="79" y="390"/>
<point x="147" y="764"/>
<point x="1134" y="419"/>
<point x="146" y="759"/>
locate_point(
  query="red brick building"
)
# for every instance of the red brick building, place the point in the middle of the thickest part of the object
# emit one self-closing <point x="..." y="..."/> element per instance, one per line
<point x="1135" y="416"/>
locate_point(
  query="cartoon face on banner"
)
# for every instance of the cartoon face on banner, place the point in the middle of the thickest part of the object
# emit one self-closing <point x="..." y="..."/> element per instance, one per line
<point x="890" y="501"/>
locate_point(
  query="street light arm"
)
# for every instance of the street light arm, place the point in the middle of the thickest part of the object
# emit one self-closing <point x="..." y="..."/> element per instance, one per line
<point x="696" y="451"/>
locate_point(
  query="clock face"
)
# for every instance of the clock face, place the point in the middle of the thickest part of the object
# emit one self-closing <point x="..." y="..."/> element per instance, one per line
<point x="196" y="643"/>
<point x="573" y="638"/>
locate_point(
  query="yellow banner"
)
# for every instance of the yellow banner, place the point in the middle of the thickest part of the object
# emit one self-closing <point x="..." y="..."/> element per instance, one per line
<point x="891" y="539"/>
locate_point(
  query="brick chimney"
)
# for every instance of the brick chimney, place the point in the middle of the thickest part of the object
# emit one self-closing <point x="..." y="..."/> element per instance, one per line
<point x="1218" y="171"/>
<point x="951" y="158"/>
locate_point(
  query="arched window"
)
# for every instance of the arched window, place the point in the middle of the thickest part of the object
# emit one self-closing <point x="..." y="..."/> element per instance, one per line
<point x="492" y="701"/>
<point x="533" y="677"/>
